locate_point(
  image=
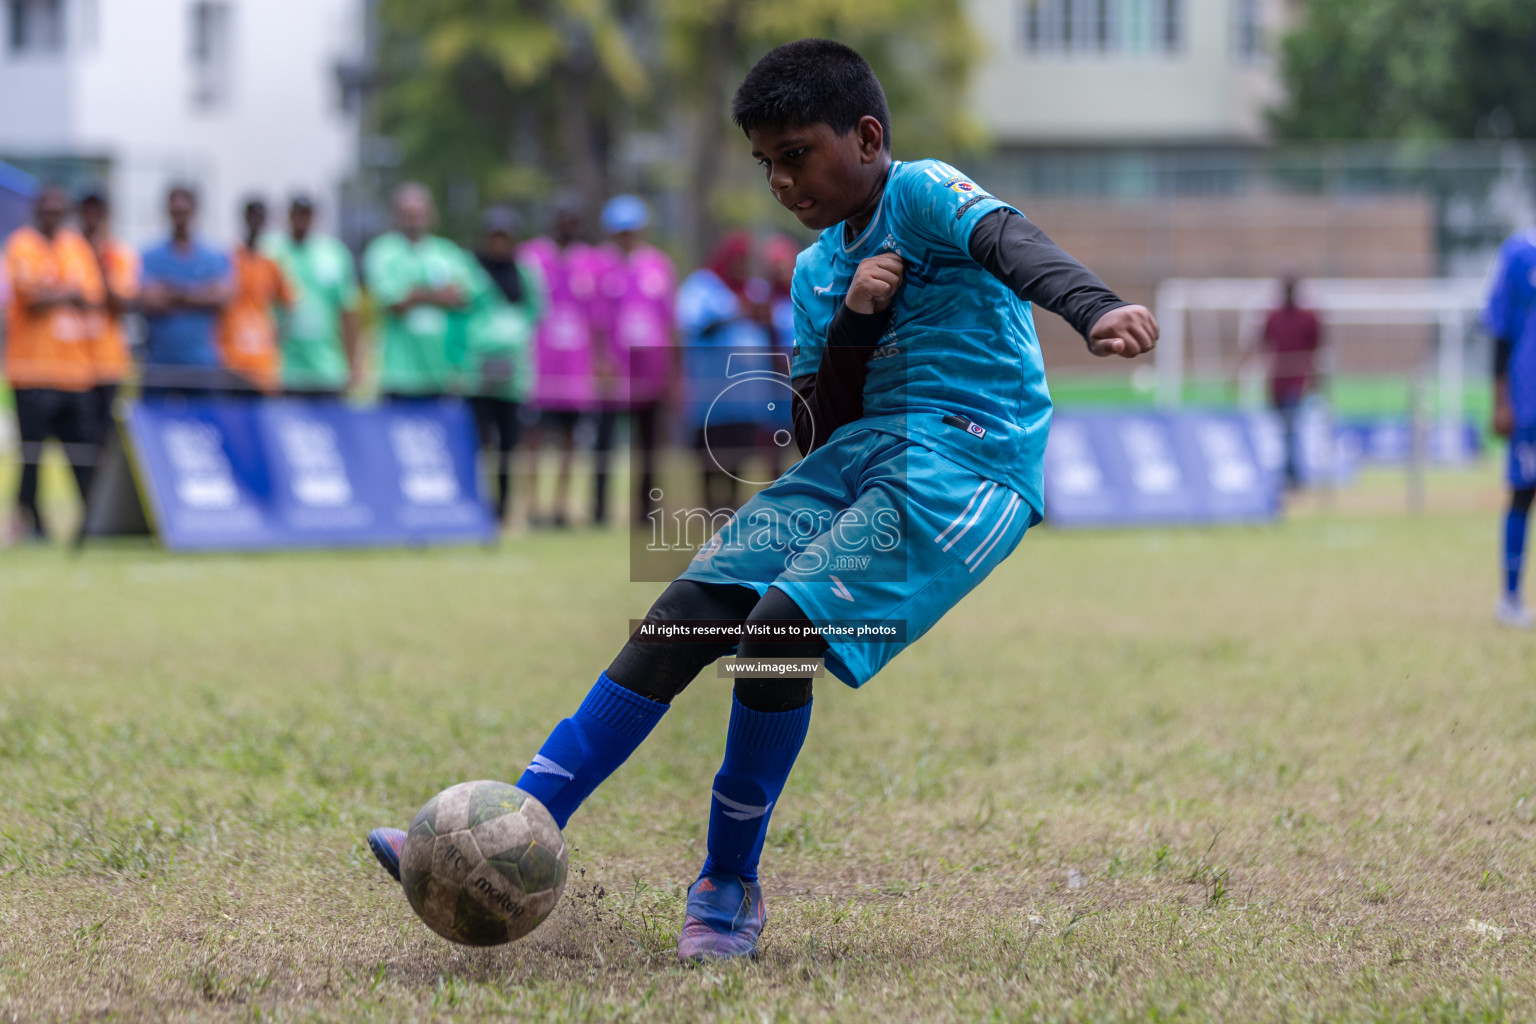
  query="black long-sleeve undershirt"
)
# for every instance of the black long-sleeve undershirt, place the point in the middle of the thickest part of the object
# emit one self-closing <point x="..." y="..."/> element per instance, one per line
<point x="1012" y="249"/>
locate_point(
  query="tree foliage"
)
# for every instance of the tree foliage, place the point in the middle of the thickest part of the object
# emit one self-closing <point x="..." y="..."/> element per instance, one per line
<point x="1410" y="69"/>
<point x="506" y="97"/>
<point x="523" y="98"/>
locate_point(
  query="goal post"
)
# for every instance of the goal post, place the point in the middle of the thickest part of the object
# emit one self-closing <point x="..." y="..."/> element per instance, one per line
<point x="1190" y="311"/>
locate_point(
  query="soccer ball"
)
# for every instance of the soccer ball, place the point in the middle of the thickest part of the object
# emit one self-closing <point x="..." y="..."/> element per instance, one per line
<point x="483" y="863"/>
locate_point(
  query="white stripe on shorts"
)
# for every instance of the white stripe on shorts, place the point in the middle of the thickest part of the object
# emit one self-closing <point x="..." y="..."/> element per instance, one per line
<point x="1013" y="510"/>
<point x="1002" y="518"/>
<point x="956" y="521"/>
<point x="991" y="490"/>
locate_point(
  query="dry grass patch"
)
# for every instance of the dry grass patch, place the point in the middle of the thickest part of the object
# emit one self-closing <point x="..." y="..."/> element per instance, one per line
<point x="1253" y="774"/>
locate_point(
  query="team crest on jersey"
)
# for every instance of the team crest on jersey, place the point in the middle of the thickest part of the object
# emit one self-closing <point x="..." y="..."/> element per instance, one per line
<point x="961" y="186"/>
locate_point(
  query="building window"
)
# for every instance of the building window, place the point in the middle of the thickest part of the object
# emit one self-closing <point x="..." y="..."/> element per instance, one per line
<point x="1103" y="26"/>
<point x="1248" y="30"/>
<point x="212" y="53"/>
<point x="35" y="26"/>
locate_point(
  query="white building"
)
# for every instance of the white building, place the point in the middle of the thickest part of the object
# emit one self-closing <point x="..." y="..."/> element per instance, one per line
<point x="238" y="97"/>
<point x="1115" y="73"/>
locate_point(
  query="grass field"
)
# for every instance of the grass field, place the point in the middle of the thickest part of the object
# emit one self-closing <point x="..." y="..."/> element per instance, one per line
<point x="1269" y="773"/>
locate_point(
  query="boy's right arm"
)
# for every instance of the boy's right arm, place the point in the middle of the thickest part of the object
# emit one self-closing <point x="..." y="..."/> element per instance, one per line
<point x="834" y="394"/>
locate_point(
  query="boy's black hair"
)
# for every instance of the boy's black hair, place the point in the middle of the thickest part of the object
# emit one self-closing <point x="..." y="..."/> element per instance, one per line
<point x="811" y="81"/>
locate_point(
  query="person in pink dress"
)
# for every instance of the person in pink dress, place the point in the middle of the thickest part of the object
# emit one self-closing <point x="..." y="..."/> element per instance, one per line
<point x="567" y="350"/>
<point x="639" y="289"/>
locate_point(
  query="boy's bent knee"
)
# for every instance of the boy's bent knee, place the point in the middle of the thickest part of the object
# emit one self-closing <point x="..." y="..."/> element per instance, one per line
<point x="661" y="669"/>
<point x="775" y="695"/>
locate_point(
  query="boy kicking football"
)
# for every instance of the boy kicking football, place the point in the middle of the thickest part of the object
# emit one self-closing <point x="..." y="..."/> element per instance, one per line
<point x="921" y="409"/>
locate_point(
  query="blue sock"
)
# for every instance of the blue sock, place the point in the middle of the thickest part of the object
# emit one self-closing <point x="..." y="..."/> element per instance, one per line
<point x="760" y="749"/>
<point x="1514" y="550"/>
<point x="589" y="746"/>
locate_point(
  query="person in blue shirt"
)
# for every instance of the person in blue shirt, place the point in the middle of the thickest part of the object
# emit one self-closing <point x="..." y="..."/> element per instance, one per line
<point x="720" y="336"/>
<point x="921" y="407"/>
<point x="1510" y="318"/>
<point x="186" y="285"/>
<point x="779" y="254"/>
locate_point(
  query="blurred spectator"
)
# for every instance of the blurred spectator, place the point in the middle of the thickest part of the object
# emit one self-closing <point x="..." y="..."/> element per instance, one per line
<point x="186" y="287"/>
<point x="718" y="320"/>
<point x="248" y="328"/>
<point x="320" y="354"/>
<point x="55" y="285"/>
<point x="779" y="254"/>
<point x="507" y="303"/>
<point x="1292" y="338"/>
<point x="565" y="350"/>
<point x="118" y="264"/>
<point x="639" y="289"/>
<point x="421" y="283"/>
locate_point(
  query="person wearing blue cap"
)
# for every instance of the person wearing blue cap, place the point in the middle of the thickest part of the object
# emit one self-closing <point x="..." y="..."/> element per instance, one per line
<point x="637" y="297"/>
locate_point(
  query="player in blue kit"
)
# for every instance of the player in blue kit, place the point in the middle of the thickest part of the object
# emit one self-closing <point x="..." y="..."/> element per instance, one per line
<point x="921" y="409"/>
<point x="1510" y="317"/>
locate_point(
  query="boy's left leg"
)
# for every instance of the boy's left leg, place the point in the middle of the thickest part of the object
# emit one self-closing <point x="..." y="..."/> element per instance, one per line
<point x="903" y="535"/>
<point x="769" y="720"/>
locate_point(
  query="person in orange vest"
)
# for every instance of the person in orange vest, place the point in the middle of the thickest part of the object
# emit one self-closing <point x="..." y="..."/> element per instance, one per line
<point x="118" y="265"/>
<point x="55" y="286"/>
<point x="248" y="341"/>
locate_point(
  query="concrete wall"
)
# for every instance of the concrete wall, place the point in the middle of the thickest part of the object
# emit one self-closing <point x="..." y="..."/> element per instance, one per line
<point x="1134" y="247"/>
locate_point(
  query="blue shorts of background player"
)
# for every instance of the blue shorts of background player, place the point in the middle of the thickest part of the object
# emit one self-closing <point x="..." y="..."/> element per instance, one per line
<point x="922" y="410"/>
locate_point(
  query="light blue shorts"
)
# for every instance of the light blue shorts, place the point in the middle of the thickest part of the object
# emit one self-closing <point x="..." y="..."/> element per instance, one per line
<point x="874" y="537"/>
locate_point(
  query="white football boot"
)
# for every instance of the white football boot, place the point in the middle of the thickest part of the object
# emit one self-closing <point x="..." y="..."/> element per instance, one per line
<point x="1514" y="613"/>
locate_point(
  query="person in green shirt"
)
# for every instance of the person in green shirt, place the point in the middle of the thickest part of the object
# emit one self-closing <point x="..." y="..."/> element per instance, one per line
<point x="506" y="301"/>
<point x="422" y="285"/>
<point x="319" y="332"/>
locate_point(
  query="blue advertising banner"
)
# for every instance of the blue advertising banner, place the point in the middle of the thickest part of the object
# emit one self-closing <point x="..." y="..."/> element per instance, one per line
<point x="226" y="474"/>
<point x="1389" y="440"/>
<point x="1153" y="468"/>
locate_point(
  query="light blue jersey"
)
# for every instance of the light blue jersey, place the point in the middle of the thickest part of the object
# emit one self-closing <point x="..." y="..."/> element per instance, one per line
<point x="961" y="345"/>
<point x="1510" y="313"/>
